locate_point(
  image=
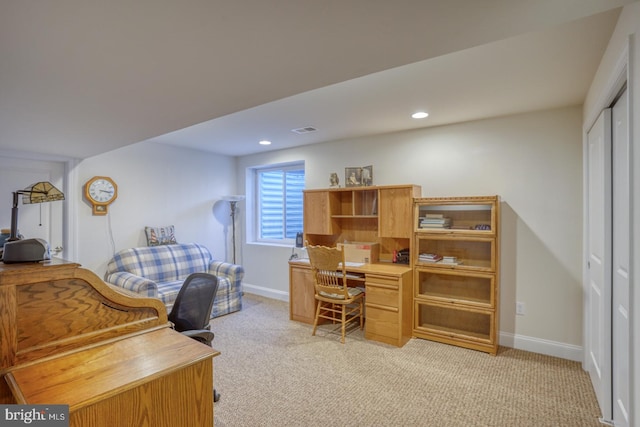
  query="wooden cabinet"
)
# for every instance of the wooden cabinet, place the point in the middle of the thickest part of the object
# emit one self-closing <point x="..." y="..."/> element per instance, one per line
<point x="302" y="301"/>
<point x="381" y="214"/>
<point x="456" y="271"/>
<point x="388" y="308"/>
<point x="319" y="208"/>
<point x="138" y="376"/>
<point x="396" y="205"/>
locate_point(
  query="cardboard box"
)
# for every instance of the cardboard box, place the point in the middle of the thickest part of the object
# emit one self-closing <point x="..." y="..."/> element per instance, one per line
<point x="366" y="252"/>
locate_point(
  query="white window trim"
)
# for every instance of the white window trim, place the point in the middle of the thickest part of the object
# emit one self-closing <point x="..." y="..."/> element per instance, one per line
<point x="253" y="223"/>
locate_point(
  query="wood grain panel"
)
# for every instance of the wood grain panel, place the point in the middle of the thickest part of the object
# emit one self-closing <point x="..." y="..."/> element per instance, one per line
<point x="396" y="209"/>
<point x="302" y="301"/>
<point x="7" y="326"/>
<point x="383" y="326"/>
<point x="382" y="296"/>
<point x="181" y="399"/>
<point x="113" y="367"/>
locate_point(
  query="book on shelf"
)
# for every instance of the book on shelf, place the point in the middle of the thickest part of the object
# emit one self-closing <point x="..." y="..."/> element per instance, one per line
<point x="451" y="260"/>
<point x="429" y="257"/>
<point x="426" y="222"/>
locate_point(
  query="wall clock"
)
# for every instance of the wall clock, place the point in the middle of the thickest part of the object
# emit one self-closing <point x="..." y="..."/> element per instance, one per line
<point x="100" y="191"/>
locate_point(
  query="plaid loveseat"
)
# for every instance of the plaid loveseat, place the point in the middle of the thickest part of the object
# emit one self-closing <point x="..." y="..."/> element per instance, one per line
<point x="159" y="271"/>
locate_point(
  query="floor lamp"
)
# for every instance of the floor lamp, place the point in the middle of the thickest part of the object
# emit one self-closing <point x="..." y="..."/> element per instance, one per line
<point x="233" y="202"/>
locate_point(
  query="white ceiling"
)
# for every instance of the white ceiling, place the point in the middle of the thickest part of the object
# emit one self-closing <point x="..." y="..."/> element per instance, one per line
<point x="81" y="78"/>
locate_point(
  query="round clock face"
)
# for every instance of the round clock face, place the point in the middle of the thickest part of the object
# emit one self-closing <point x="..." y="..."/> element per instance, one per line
<point x="102" y="191"/>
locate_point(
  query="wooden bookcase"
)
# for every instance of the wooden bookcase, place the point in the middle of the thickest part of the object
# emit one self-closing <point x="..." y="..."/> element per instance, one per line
<point x="456" y="299"/>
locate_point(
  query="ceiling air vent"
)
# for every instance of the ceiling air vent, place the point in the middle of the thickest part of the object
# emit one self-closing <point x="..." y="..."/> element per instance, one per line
<point x="303" y="130"/>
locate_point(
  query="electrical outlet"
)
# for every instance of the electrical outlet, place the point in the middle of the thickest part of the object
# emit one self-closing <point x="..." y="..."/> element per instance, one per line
<point x="520" y="308"/>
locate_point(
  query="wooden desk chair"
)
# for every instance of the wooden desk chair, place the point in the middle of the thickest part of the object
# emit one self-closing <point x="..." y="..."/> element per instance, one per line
<point x="331" y="291"/>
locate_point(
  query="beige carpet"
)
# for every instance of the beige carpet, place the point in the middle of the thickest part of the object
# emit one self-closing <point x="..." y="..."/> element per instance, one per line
<point x="272" y="372"/>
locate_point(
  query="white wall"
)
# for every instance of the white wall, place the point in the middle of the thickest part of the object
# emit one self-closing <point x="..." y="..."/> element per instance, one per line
<point x="533" y="161"/>
<point x="625" y="43"/>
<point x="157" y="185"/>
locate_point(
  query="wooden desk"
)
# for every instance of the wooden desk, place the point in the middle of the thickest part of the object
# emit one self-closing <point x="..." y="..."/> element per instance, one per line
<point x="66" y="337"/>
<point x="160" y="378"/>
<point x="388" y="299"/>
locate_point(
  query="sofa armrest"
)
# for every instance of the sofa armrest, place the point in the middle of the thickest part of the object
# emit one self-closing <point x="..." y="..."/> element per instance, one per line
<point x="137" y="284"/>
<point x="233" y="272"/>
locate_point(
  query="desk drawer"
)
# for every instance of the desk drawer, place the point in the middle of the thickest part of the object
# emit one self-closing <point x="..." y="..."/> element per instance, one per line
<point x="382" y="322"/>
<point x="382" y="281"/>
<point x="381" y="296"/>
<point x="382" y="291"/>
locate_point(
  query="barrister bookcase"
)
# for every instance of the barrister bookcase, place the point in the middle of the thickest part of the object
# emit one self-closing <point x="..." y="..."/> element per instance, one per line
<point x="456" y="271"/>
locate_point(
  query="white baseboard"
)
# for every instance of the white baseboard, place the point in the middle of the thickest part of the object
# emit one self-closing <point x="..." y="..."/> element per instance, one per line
<point x="520" y="342"/>
<point x="266" y="292"/>
<point x="542" y="346"/>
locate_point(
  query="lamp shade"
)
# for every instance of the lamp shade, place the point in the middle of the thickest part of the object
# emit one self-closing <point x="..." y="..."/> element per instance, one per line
<point x="40" y="192"/>
<point x="234" y="198"/>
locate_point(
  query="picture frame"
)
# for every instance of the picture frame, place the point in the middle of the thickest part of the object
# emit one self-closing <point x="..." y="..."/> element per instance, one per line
<point x="352" y="177"/>
<point x="366" y="175"/>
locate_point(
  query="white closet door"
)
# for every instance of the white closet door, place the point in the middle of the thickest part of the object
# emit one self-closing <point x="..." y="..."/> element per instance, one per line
<point x="598" y="339"/>
<point x="621" y="260"/>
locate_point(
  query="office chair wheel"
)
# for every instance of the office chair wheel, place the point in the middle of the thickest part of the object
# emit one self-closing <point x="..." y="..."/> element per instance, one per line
<point x="216" y="395"/>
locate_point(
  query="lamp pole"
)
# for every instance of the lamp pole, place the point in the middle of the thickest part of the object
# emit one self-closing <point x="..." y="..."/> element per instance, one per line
<point x="14" y="218"/>
<point x="233" y="204"/>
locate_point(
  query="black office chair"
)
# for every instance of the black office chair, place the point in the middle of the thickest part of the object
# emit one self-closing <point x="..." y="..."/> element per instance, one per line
<point x="192" y="310"/>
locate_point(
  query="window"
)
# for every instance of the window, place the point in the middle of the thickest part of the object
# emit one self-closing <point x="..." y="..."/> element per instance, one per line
<point x="279" y="202"/>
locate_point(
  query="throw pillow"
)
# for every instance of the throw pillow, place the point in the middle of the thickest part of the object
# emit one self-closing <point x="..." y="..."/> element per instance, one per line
<point x="157" y="236"/>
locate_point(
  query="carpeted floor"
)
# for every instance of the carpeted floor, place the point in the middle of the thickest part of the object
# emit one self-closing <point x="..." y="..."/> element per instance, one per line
<point x="272" y="372"/>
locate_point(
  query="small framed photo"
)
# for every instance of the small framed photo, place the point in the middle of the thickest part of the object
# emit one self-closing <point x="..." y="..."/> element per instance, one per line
<point x="352" y="177"/>
<point x="366" y="177"/>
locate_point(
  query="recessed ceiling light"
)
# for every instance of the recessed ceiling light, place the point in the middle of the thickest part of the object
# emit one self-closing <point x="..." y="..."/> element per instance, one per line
<point x="420" y="115"/>
<point x="265" y="142"/>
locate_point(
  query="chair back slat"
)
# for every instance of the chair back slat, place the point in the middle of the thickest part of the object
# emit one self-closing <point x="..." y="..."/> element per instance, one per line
<point x="329" y="270"/>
